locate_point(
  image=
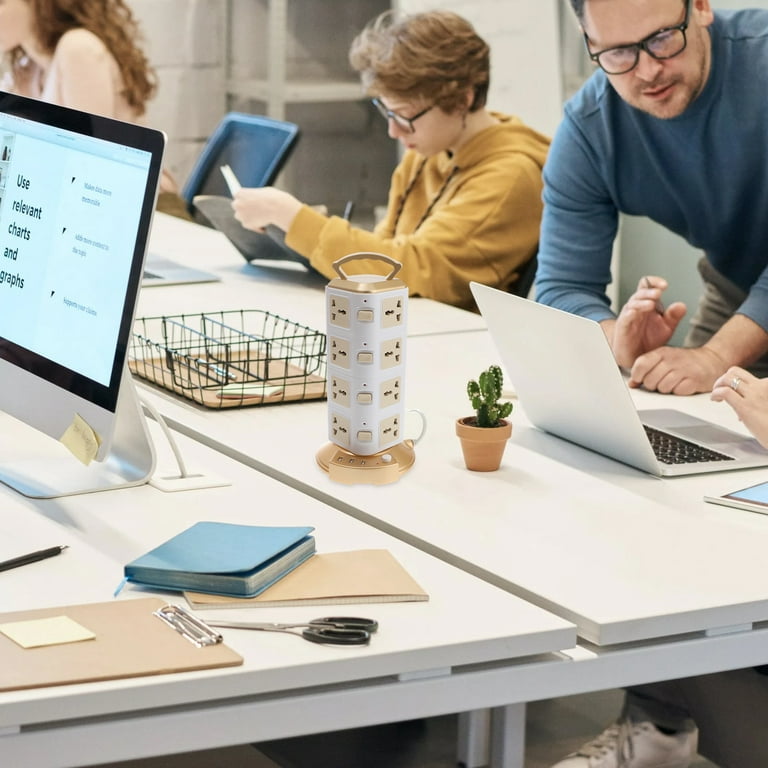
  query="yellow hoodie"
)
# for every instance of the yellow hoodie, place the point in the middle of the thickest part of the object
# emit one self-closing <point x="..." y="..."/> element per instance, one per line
<point x="471" y="216"/>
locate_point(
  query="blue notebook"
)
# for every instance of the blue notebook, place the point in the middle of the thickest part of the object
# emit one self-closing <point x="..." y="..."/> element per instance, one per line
<point x="223" y="558"/>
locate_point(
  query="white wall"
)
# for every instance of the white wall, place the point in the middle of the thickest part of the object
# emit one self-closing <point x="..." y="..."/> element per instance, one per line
<point x="525" y="53"/>
<point x="185" y="42"/>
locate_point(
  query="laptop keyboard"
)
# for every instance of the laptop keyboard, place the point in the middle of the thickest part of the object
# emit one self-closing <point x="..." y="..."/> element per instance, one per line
<point x="670" y="449"/>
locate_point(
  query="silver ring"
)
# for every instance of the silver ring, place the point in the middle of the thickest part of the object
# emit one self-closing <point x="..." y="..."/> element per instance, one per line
<point x="735" y="383"/>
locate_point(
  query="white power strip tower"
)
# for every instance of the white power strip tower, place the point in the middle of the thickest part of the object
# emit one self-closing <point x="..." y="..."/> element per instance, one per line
<point x="366" y="326"/>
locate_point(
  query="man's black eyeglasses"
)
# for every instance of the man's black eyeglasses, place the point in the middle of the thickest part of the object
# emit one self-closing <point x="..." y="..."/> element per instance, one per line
<point x="663" y="44"/>
<point x="406" y="123"/>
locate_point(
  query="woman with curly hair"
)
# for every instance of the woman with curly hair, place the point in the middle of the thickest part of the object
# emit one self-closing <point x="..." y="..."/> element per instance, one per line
<point x="82" y="54"/>
<point x="465" y="200"/>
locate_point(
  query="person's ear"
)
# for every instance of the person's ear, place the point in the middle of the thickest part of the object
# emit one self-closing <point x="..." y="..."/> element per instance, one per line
<point x="704" y="12"/>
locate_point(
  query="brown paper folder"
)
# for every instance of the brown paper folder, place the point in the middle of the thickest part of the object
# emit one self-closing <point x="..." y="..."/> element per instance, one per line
<point x="130" y="641"/>
<point x="357" y="576"/>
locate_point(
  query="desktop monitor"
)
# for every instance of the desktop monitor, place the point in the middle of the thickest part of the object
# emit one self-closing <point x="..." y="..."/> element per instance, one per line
<point x="77" y="194"/>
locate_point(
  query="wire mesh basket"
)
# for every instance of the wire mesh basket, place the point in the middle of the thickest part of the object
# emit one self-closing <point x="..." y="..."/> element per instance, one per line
<point x="230" y="359"/>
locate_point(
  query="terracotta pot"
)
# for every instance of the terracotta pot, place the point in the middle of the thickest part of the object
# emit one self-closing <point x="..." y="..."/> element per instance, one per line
<point x="483" y="447"/>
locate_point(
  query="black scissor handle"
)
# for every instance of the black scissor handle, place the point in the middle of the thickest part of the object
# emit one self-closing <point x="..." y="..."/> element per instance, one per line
<point x="347" y="622"/>
<point x="336" y="636"/>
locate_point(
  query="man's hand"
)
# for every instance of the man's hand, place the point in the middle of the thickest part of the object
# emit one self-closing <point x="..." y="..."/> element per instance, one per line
<point x="739" y="341"/>
<point x="643" y="324"/>
<point x="677" y="371"/>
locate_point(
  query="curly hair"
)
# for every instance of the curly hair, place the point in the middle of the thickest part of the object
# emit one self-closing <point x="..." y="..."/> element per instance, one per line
<point x="436" y="56"/>
<point x="113" y="23"/>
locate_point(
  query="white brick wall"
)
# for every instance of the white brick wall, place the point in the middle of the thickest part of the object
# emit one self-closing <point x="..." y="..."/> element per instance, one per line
<point x="187" y="41"/>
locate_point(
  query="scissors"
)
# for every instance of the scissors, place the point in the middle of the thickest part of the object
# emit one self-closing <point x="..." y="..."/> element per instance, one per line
<point x="330" y="630"/>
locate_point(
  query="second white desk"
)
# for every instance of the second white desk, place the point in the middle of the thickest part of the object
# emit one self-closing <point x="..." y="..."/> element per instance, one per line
<point x="463" y="649"/>
<point x="289" y="291"/>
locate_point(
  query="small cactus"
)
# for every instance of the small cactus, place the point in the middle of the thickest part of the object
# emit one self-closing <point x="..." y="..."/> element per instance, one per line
<point x="484" y="395"/>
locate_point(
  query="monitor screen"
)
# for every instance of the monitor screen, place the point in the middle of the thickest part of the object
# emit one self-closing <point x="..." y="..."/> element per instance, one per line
<point x="77" y="193"/>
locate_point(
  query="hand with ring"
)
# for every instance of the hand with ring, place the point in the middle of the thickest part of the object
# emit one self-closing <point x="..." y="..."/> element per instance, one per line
<point x="748" y="396"/>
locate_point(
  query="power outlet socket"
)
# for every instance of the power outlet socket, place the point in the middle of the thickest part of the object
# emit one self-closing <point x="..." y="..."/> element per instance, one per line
<point x="339" y="312"/>
<point x="391" y="353"/>
<point x="389" y="393"/>
<point x="340" y="391"/>
<point x="339" y="352"/>
<point x="389" y="431"/>
<point x="391" y="312"/>
<point x="339" y="427"/>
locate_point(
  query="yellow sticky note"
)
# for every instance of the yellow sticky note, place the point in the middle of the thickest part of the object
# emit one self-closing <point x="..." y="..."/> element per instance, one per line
<point x="52" y="631"/>
<point x="81" y="440"/>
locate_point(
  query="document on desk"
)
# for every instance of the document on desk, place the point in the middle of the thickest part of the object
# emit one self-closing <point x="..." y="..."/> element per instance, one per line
<point x="331" y="578"/>
<point x="128" y="640"/>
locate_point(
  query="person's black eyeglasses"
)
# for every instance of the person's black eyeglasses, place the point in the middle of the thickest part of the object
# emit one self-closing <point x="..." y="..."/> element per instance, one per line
<point x="663" y="44"/>
<point x="406" y="123"/>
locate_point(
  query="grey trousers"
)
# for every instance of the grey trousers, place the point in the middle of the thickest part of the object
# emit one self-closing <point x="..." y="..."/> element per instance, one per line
<point x="729" y="708"/>
<point x="718" y="303"/>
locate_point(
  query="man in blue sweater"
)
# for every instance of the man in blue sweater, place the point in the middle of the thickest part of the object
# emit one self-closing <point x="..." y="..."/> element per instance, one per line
<point x="673" y="126"/>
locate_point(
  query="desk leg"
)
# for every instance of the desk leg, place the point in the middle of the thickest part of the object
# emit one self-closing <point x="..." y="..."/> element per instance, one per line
<point x="508" y="736"/>
<point x="474" y="735"/>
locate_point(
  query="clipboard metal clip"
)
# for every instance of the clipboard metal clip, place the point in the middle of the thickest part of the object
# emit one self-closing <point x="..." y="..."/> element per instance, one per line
<point x="193" y="629"/>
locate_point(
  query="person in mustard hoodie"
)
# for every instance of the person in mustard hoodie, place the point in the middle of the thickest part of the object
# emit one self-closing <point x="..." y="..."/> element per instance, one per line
<point x="465" y="200"/>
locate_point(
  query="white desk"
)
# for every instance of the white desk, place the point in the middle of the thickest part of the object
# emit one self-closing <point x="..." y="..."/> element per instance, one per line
<point x="626" y="556"/>
<point x="288" y="291"/>
<point x="426" y="659"/>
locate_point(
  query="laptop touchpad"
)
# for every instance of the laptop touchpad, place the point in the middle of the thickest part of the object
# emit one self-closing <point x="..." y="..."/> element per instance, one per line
<point x="708" y="435"/>
<point x="690" y="427"/>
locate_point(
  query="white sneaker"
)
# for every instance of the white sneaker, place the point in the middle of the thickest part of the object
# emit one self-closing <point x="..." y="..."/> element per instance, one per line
<point x="635" y="745"/>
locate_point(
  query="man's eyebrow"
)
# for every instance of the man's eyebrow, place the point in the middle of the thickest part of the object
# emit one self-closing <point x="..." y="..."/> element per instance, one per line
<point x="631" y="42"/>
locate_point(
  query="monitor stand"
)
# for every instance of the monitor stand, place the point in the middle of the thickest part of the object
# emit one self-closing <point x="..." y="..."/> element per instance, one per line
<point x="43" y="468"/>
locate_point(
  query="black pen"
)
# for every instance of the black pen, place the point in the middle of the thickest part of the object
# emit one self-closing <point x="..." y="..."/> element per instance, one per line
<point x="659" y="306"/>
<point x="32" y="557"/>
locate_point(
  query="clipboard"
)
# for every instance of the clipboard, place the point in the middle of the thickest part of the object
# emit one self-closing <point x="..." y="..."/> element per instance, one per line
<point x="130" y="641"/>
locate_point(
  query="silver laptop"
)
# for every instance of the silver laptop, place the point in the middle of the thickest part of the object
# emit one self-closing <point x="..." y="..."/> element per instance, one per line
<point x="159" y="270"/>
<point x="565" y="375"/>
